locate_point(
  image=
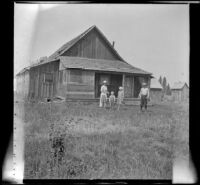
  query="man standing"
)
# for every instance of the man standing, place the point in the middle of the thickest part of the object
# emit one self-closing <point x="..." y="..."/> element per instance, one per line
<point x="144" y="96"/>
<point x="103" y="96"/>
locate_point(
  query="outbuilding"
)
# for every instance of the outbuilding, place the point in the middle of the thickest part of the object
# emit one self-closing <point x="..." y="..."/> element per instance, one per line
<point x="180" y="91"/>
<point x="155" y="91"/>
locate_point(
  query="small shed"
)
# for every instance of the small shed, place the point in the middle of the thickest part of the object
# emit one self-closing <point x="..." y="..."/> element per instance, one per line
<point x="180" y="91"/>
<point x="155" y="90"/>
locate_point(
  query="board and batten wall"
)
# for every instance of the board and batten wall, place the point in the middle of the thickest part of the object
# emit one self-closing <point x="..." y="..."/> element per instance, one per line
<point x="85" y="89"/>
<point x="156" y="95"/>
<point x="40" y="88"/>
<point x="91" y="46"/>
<point x="22" y="84"/>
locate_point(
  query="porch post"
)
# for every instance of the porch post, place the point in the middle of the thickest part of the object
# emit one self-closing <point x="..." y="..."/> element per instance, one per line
<point x="149" y="82"/>
<point x="123" y="81"/>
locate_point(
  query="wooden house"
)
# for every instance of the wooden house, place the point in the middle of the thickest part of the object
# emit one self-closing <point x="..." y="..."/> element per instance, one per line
<point x="78" y="68"/>
<point x="180" y="91"/>
<point x="155" y="91"/>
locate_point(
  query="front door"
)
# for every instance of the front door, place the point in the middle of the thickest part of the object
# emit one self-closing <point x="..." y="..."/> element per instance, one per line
<point x="128" y="87"/>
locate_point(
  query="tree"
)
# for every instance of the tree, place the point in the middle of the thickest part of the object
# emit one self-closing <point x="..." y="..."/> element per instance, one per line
<point x="164" y="84"/>
<point x="160" y="80"/>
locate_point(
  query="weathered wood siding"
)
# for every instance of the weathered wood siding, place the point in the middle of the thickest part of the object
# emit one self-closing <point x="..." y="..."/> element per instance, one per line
<point x="22" y="84"/>
<point x="156" y="95"/>
<point x="92" y="46"/>
<point x="185" y="93"/>
<point x="181" y="94"/>
<point x="39" y="88"/>
<point x="128" y="86"/>
<point x="82" y="90"/>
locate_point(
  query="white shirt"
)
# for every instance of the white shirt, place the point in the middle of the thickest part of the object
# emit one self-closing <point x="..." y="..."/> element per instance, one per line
<point x="144" y="91"/>
<point x="103" y="89"/>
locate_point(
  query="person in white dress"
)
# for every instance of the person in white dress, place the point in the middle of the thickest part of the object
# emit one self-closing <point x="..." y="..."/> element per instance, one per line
<point x="103" y="96"/>
<point x="120" y="96"/>
<point x="144" y="96"/>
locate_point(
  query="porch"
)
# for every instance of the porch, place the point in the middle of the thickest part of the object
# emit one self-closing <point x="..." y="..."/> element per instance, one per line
<point x="130" y="82"/>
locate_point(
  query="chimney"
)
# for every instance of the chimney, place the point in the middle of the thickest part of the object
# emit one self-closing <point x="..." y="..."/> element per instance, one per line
<point x="113" y="44"/>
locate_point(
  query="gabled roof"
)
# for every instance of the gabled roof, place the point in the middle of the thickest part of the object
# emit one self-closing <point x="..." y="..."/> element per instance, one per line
<point x="99" y="65"/>
<point x="179" y="85"/>
<point x="155" y="84"/>
<point x="91" y="64"/>
<point x="72" y="42"/>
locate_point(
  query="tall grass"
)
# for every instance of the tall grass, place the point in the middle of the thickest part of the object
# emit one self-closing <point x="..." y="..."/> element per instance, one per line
<point x="71" y="140"/>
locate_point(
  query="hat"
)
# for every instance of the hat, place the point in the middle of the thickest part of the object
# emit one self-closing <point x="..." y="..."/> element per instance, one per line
<point x="104" y="81"/>
<point x="144" y="83"/>
<point x="121" y="88"/>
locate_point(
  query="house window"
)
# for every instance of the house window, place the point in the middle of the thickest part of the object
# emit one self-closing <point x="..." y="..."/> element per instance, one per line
<point x="48" y="77"/>
<point x="76" y="76"/>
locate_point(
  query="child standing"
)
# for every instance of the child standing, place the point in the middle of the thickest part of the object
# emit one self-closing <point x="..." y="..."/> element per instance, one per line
<point x="112" y="99"/>
<point x="120" y="97"/>
<point x="143" y="95"/>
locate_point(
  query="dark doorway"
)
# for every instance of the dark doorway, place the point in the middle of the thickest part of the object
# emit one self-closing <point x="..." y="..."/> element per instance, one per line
<point x="137" y="87"/>
<point x="114" y="81"/>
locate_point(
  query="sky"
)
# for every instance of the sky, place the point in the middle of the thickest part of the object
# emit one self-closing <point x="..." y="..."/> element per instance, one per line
<point x="152" y="37"/>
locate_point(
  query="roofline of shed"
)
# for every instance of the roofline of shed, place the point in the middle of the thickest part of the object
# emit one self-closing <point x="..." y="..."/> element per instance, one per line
<point x="181" y="87"/>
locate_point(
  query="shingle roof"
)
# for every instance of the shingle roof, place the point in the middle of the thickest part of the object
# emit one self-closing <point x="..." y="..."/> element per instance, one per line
<point x="179" y="85"/>
<point x="155" y="84"/>
<point x="69" y="44"/>
<point x="99" y="65"/>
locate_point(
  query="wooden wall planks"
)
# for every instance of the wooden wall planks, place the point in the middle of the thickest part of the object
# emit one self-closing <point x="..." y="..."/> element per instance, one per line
<point x="38" y="87"/>
<point x="92" y="46"/>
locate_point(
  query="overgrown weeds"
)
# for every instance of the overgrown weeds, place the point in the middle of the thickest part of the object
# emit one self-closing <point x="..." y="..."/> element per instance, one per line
<point x="72" y="140"/>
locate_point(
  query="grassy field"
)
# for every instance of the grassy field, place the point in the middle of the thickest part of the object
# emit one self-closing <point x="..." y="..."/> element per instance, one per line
<point x="83" y="141"/>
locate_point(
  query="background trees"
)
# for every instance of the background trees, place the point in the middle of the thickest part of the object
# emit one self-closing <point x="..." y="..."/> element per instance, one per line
<point x="166" y="87"/>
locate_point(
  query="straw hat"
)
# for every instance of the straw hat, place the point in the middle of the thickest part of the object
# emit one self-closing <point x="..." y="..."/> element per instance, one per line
<point x="104" y="81"/>
<point x="144" y="83"/>
<point x="120" y="88"/>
